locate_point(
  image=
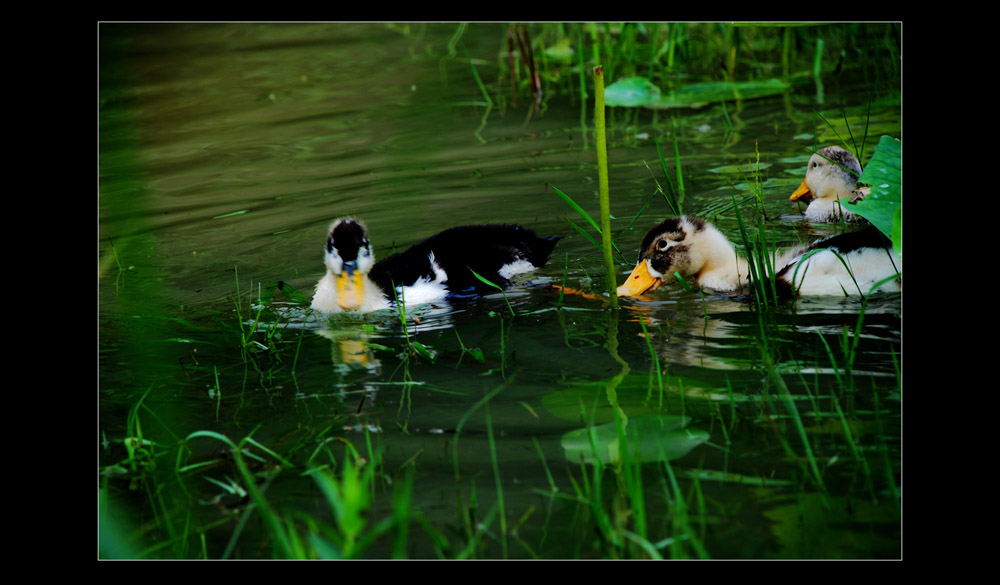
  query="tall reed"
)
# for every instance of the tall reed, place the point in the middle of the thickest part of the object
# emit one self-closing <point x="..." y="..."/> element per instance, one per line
<point x="602" y="178"/>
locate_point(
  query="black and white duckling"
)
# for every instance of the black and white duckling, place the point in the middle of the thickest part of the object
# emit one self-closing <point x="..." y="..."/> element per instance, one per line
<point x="693" y="247"/>
<point x="436" y="268"/>
<point x="831" y="177"/>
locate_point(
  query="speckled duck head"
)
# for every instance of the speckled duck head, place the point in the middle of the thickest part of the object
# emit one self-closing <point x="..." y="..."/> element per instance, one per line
<point x="686" y="245"/>
<point x="831" y="173"/>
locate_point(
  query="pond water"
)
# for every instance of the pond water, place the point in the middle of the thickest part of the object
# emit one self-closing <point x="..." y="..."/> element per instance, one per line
<point x="225" y="152"/>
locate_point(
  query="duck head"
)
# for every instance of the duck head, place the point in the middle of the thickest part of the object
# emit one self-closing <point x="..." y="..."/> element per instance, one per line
<point x="676" y="245"/>
<point x="831" y="173"/>
<point x="349" y="258"/>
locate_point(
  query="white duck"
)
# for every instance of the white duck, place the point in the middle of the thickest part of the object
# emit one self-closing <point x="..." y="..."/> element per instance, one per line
<point x="693" y="247"/>
<point x="432" y="270"/>
<point x="831" y="178"/>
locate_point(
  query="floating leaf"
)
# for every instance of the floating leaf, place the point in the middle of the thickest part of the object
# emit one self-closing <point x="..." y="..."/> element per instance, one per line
<point x="650" y="438"/>
<point x="631" y="92"/>
<point x="700" y="94"/>
<point x="638" y="91"/>
<point x="561" y="51"/>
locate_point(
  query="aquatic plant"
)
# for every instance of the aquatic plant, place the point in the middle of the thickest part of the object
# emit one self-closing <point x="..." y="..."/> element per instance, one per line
<point x="602" y="181"/>
<point x="883" y="206"/>
<point x="674" y="65"/>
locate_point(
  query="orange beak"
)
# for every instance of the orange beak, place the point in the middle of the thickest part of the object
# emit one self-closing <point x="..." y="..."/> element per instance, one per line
<point x="802" y="191"/>
<point x="350" y="288"/>
<point x="639" y="281"/>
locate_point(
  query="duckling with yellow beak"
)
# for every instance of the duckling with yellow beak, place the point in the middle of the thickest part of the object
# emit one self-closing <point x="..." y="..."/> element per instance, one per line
<point x="348" y="260"/>
<point x="435" y="269"/>
<point x="692" y="247"/>
<point x="831" y="178"/>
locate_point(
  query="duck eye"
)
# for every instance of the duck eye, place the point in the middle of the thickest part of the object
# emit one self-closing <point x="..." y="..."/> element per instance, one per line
<point x="661" y="245"/>
<point x="815" y="164"/>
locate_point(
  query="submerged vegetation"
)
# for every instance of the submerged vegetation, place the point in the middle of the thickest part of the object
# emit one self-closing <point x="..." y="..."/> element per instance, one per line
<point x="539" y="424"/>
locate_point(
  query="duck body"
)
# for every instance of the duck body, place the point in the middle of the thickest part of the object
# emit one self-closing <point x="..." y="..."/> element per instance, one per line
<point x="831" y="179"/>
<point x="692" y="247"/>
<point x="435" y="269"/>
<point x="820" y="269"/>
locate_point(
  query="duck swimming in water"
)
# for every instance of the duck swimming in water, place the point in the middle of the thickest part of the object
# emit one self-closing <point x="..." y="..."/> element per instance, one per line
<point x="437" y="268"/>
<point x="693" y="247"/>
<point x="831" y="178"/>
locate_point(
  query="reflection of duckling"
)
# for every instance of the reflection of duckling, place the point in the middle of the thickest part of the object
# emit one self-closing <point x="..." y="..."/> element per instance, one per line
<point x="831" y="177"/>
<point x="693" y="247"/>
<point x="439" y="267"/>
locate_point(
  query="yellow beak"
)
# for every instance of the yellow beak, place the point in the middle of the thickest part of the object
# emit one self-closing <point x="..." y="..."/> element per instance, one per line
<point x="353" y="352"/>
<point x="802" y="191"/>
<point x="639" y="281"/>
<point x="350" y="290"/>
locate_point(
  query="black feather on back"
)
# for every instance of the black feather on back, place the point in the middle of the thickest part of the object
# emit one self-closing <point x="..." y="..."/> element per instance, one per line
<point x="869" y="237"/>
<point x="845" y="243"/>
<point x="483" y="248"/>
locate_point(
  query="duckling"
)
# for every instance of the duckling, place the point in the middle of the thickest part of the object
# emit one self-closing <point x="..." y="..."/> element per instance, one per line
<point x="831" y="177"/>
<point x="437" y="268"/>
<point x="693" y="247"/>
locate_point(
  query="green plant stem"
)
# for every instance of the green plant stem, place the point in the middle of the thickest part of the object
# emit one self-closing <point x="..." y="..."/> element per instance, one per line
<point x="466" y="518"/>
<point x="677" y="168"/>
<point x="583" y="87"/>
<point x="602" y="177"/>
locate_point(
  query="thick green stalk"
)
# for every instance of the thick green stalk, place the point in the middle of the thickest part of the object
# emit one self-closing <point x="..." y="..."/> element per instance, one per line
<point x="786" y="51"/>
<point x="602" y="178"/>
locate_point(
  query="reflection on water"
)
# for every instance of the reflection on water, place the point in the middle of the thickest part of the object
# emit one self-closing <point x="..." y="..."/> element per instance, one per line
<point x="227" y="150"/>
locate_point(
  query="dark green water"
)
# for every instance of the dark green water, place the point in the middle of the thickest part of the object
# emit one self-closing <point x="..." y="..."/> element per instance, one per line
<point x="226" y="151"/>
